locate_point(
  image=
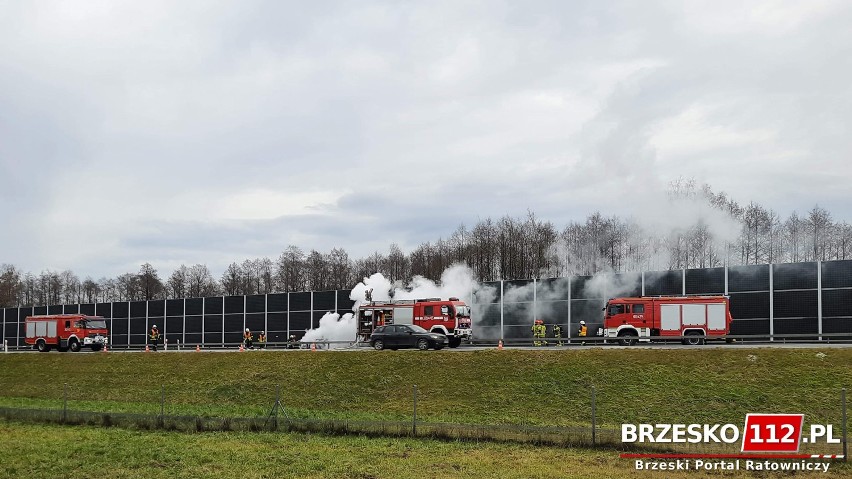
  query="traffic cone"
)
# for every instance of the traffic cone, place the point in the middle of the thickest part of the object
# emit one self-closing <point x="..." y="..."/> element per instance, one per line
<point x="500" y="345"/>
<point x="242" y="348"/>
<point x="106" y="350"/>
<point x="147" y="349"/>
<point x="197" y="348"/>
<point x="313" y="346"/>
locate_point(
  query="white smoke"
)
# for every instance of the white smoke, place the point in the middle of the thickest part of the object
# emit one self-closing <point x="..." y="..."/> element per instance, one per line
<point x="609" y="285"/>
<point x="333" y="327"/>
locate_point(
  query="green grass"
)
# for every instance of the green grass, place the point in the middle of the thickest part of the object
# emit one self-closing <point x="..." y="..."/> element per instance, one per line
<point x="477" y="387"/>
<point x="28" y="450"/>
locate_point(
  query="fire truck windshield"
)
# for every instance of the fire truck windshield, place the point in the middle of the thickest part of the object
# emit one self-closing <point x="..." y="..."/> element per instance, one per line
<point x="463" y="311"/>
<point x="94" y="324"/>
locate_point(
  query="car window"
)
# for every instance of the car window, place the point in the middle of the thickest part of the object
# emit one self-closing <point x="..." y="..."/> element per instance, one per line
<point x="403" y="329"/>
<point x="417" y="329"/>
<point x="380" y="329"/>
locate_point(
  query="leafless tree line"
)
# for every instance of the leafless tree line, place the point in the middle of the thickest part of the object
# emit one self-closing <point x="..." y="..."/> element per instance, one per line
<point x="507" y="248"/>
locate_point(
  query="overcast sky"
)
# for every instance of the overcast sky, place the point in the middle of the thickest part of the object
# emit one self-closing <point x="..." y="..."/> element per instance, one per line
<point x="209" y="132"/>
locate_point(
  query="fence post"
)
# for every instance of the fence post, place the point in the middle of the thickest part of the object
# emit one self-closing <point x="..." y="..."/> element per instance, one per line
<point x="5" y="345"/>
<point x="162" y="400"/>
<point x="65" y="403"/>
<point x="594" y="425"/>
<point x="414" y="421"/>
<point x="843" y="425"/>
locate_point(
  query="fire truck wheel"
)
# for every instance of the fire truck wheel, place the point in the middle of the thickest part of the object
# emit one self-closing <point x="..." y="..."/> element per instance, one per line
<point x="693" y="338"/>
<point x="378" y="345"/>
<point x="455" y="342"/>
<point x="422" y="344"/>
<point x="42" y="346"/>
<point x="627" y="338"/>
<point x="74" y="345"/>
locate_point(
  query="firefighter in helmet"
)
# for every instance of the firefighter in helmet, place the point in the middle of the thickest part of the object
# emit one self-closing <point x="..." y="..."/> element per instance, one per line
<point x="557" y="333"/>
<point x="247" y="339"/>
<point x="583" y="331"/>
<point x="154" y="337"/>
<point x="539" y="331"/>
<point x="261" y="340"/>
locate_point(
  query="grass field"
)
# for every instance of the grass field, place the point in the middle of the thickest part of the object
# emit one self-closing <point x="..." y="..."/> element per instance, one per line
<point x="482" y="387"/>
<point x="57" y="451"/>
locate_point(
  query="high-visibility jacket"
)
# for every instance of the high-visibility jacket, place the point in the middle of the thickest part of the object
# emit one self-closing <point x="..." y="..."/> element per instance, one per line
<point x="261" y="338"/>
<point x="557" y="331"/>
<point x="583" y="330"/>
<point x="247" y="336"/>
<point x="155" y="333"/>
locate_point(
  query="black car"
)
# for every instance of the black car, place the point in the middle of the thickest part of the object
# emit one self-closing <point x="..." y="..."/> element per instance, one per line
<point x="395" y="336"/>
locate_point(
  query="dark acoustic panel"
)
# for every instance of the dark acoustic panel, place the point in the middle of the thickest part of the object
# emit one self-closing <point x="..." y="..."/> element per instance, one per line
<point x="300" y="321"/>
<point x="705" y="281"/>
<point x="485" y="315"/>
<point x="276" y="321"/>
<point x="138" y="326"/>
<point x="578" y="287"/>
<point x="796" y="326"/>
<point x="137" y="309"/>
<point x="552" y="311"/>
<point x="212" y="323"/>
<point x="120" y="310"/>
<point x="213" y="305"/>
<point x="517" y="332"/>
<point x="485" y="333"/>
<point x="234" y="304"/>
<point x="55" y="309"/>
<point x="553" y="289"/>
<point x="664" y="283"/>
<point x="748" y="278"/>
<point x="316" y="318"/>
<point x="119" y="326"/>
<point x="212" y="339"/>
<point x="837" y="274"/>
<point x="256" y="303"/>
<point x="324" y="300"/>
<point x="192" y="324"/>
<point x="156" y="307"/>
<point x="741" y="327"/>
<point x="587" y="310"/>
<point x="836" y="325"/>
<point x="300" y="301"/>
<point x="749" y="305"/>
<point x="192" y="339"/>
<point x="174" y="337"/>
<point x="38" y="311"/>
<point x="139" y="339"/>
<point x="795" y="304"/>
<point x="624" y="285"/>
<point x="233" y="323"/>
<point x="174" y="324"/>
<point x="256" y="321"/>
<point x="837" y="302"/>
<point x="794" y="276"/>
<point x="24" y="312"/>
<point x="174" y="307"/>
<point x="234" y="339"/>
<point x="343" y="301"/>
<point x="194" y="306"/>
<point x="118" y="340"/>
<point x="88" y="309"/>
<point x="518" y="313"/>
<point x="517" y="291"/>
<point x="70" y="309"/>
<point x="103" y="309"/>
<point x="277" y="302"/>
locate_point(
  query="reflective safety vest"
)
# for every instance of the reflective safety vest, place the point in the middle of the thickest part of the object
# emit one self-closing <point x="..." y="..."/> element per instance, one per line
<point x="261" y="338"/>
<point x="155" y="334"/>
<point x="583" y="330"/>
<point x="247" y="336"/>
<point x="557" y="331"/>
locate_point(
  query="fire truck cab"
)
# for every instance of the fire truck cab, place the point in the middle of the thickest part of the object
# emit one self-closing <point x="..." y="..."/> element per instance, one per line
<point x="448" y="317"/>
<point x="692" y="319"/>
<point x="66" y="331"/>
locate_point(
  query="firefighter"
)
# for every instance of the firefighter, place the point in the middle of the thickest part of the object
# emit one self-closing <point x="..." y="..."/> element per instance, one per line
<point x="261" y="340"/>
<point x="247" y="339"/>
<point x="557" y="333"/>
<point x="154" y="337"/>
<point x="583" y="331"/>
<point x="291" y="343"/>
<point x="539" y="331"/>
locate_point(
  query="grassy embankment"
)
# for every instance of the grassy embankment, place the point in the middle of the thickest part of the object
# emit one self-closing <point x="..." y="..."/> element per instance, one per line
<point x="57" y="451"/>
<point x="483" y="387"/>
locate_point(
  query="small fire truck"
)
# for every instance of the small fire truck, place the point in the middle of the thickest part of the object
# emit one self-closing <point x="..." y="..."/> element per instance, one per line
<point x="448" y="317"/>
<point x="66" y="331"/>
<point x="692" y="319"/>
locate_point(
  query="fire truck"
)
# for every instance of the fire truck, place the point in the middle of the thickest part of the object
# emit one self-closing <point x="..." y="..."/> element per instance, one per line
<point x="692" y="319"/>
<point x="66" y="331"/>
<point x="448" y="317"/>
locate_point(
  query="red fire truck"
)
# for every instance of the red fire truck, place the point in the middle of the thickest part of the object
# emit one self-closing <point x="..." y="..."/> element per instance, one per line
<point x="448" y="317"/>
<point x="66" y="331"/>
<point x="694" y="318"/>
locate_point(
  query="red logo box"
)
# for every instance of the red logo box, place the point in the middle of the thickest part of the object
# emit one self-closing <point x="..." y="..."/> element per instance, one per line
<point x="772" y="432"/>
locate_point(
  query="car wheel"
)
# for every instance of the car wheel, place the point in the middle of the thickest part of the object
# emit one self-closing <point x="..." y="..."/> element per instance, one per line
<point x="378" y="345"/>
<point x="42" y="346"/>
<point x="74" y="345"/>
<point x="422" y="344"/>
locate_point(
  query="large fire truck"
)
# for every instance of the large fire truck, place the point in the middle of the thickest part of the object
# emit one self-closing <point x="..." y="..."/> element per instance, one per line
<point x="448" y="317"/>
<point x="692" y="319"/>
<point x="66" y="331"/>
